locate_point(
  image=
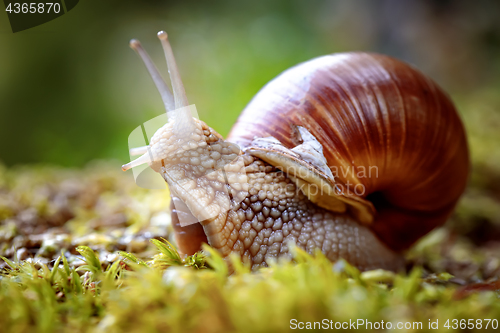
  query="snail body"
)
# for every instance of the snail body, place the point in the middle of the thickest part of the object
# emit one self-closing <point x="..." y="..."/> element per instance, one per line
<point x="356" y="154"/>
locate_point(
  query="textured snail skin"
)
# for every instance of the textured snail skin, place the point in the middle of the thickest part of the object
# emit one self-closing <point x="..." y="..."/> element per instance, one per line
<point x="272" y="214"/>
<point x="366" y="110"/>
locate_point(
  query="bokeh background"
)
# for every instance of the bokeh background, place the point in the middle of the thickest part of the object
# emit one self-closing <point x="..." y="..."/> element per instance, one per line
<point x="71" y="90"/>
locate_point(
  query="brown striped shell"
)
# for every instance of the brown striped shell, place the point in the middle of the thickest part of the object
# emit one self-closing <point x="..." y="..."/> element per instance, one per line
<point x="371" y="111"/>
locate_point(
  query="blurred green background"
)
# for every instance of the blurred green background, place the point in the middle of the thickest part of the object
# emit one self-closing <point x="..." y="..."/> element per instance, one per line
<point x="71" y="90"/>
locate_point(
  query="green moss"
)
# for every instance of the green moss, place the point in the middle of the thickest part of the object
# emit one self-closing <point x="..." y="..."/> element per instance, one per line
<point x="132" y="296"/>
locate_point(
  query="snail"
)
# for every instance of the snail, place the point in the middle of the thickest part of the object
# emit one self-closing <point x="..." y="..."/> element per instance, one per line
<point x="355" y="154"/>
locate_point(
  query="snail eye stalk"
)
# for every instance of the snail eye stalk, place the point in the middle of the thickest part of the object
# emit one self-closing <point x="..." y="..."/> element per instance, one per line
<point x="162" y="87"/>
<point x="180" y="97"/>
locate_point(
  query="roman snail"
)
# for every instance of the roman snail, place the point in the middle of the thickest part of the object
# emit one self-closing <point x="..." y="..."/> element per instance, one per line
<point x="356" y="154"/>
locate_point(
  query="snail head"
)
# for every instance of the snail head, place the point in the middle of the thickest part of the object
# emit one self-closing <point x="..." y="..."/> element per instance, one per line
<point x="182" y="133"/>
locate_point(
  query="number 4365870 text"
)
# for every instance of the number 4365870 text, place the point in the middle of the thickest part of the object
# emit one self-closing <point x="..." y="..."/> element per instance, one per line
<point x="34" y="7"/>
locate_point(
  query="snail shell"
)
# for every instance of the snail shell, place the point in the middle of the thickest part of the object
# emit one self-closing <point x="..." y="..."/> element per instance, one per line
<point x="371" y="112"/>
